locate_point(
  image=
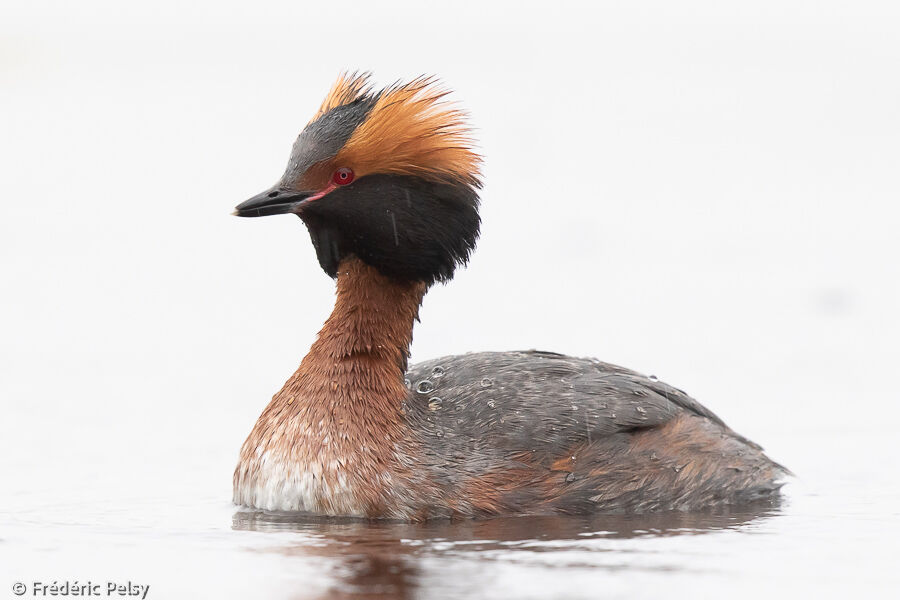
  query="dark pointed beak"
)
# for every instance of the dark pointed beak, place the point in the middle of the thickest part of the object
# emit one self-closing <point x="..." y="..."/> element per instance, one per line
<point x="274" y="201"/>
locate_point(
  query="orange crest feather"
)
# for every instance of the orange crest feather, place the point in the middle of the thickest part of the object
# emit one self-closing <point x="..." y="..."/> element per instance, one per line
<point x="410" y="130"/>
<point x="347" y="88"/>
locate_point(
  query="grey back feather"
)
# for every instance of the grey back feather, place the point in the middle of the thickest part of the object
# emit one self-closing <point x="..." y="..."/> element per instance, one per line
<point x="533" y="401"/>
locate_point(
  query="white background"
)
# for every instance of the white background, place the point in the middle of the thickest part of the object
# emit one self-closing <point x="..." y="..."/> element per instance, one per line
<point x="705" y="191"/>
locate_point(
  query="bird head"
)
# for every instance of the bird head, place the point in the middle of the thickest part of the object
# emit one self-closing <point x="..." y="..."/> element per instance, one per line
<point x="388" y="176"/>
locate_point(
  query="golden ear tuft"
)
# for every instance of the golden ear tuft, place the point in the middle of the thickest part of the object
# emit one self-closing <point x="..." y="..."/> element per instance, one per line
<point x="348" y="88"/>
<point x="410" y="130"/>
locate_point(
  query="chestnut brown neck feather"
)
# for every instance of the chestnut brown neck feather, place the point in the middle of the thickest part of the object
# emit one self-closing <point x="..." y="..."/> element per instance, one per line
<point x="339" y="418"/>
<point x="349" y="389"/>
<point x="372" y="319"/>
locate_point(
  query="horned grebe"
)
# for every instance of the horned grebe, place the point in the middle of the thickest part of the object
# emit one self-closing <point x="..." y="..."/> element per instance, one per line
<point x="386" y="183"/>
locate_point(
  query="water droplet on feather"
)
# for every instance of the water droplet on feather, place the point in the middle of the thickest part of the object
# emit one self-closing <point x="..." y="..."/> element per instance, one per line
<point x="424" y="386"/>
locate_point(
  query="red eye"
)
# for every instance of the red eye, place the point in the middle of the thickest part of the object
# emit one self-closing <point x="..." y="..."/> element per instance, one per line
<point x="342" y="176"/>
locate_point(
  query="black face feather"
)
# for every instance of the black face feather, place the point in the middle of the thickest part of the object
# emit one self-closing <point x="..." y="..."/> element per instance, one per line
<point x="407" y="227"/>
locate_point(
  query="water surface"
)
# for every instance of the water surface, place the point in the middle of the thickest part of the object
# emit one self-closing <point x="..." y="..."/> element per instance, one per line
<point x="832" y="534"/>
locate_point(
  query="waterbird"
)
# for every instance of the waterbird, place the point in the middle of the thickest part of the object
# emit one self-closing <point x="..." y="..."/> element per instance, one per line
<point x="387" y="183"/>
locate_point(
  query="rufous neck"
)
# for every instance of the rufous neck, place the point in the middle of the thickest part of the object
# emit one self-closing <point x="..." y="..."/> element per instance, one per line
<point x="373" y="316"/>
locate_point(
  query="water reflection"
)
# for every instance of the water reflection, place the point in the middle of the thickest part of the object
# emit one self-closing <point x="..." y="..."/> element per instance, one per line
<point x="388" y="560"/>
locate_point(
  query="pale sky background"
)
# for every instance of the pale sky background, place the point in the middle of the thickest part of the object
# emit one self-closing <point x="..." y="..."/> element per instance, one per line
<point x="705" y="191"/>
